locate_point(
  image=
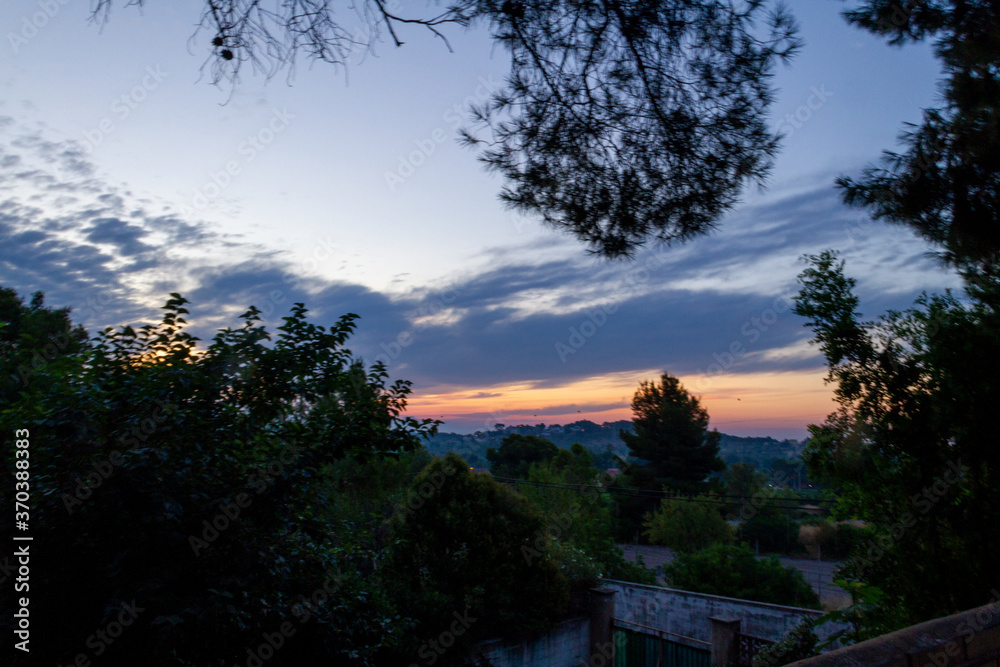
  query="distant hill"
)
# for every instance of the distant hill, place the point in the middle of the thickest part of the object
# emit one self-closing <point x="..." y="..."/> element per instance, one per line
<point x="602" y="440"/>
<point x="759" y="451"/>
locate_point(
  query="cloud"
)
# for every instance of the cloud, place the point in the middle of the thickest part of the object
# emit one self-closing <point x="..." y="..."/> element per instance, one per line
<point x="719" y="304"/>
<point x="485" y="394"/>
<point x="87" y="243"/>
<point x="126" y="237"/>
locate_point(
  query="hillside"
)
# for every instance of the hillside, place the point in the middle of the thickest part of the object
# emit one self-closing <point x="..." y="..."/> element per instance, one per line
<point x="602" y="440"/>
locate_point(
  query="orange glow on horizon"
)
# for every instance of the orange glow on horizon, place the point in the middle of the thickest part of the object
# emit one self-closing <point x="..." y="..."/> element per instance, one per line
<point x="734" y="402"/>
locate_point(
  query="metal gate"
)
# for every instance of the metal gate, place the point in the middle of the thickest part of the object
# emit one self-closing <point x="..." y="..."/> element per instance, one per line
<point x="640" y="646"/>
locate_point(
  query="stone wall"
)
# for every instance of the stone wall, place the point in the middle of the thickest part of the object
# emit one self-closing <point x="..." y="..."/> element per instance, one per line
<point x="685" y="613"/>
<point x="566" y="645"/>
<point x="679" y="613"/>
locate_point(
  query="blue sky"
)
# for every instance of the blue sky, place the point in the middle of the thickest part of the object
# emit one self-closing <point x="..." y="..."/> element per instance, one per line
<point x="124" y="177"/>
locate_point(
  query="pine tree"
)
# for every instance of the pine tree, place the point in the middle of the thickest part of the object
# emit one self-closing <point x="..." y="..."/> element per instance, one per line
<point x="945" y="183"/>
<point x="672" y="436"/>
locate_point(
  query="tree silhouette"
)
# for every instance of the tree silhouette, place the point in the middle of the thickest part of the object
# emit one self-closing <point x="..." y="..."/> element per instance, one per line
<point x="621" y="121"/>
<point x="911" y="448"/>
<point x="672" y="436"/>
<point x="946" y="182"/>
<point x="516" y="454"/>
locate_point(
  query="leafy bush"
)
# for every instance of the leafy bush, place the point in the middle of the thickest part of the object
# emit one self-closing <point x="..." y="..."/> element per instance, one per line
<point x="771" y="534"/>
<point x="734" y="571"/>
<point x="195" y="482"/>
<point x="580" y="517"/>
<point x="798" y="644"/>
<point x="469" y="545"/>
<point x="516" y="454"/>
<point x="687" y="524"/>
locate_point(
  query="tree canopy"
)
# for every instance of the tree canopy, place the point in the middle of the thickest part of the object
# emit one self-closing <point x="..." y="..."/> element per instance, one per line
<point x="32" y="337"/>
<point x="911" y="446"/>
<point x="945" y="183"/>
<point x="192" y="483"/>
<point x="671" y="438"/>
<point x="471" y="545"/>
<point x="734" y="571"/>
<point x="687" y="524"/>
<point x="621" y="122"/>
<point x="911" y="449"/>
<point x="517" y="453"/>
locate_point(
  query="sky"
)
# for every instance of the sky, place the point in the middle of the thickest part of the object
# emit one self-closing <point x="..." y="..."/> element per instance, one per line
<point x="125" y="175"/>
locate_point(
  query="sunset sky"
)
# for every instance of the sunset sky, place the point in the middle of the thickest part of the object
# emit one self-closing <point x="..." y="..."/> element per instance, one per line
<point x="123" y="177"/>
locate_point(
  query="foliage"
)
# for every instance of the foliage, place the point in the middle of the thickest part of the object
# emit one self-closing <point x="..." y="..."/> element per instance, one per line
<point x="870" y="614"/>
<point x="798" y="644"/>
<point x="734" y="571"/>
<point x="630" y="122"/>
<point x="688" y="524"/>
<point x="771" y="532"/>
<point x="671" y="437"/>
<point x="32" y="338"/>
<point x="580" y="518"/>
<point x="911" y="446"/>
<point x="624" y="570"/>
<point x="743" y="480"/>
<point x="620" y="122"/>
<point x="944" y="183"/>
<point x="194" y="481"/>
<point x="835" y="541"/>
<point x="790" y="473"/>
<point x="517" y="453"/>
<point x="473" y="546"/>
<point x="576" y="465"/>
<point x="580" y="514"/>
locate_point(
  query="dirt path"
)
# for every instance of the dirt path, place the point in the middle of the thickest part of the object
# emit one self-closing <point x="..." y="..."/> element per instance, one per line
<point x="819" y="574"/>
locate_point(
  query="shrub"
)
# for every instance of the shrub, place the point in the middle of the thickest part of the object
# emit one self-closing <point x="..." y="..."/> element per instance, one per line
<point x="771" y="534"/>
<point x="687" y="525"/>
<point x="798" y="644"/>
<point x="467" y="544"/>
<point x="194" y="481"/>
<point x="734" y="571"/>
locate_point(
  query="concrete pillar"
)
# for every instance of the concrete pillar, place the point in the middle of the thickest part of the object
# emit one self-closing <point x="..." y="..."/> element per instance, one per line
<point x="724" y="641"/>
<point x="602" y="610"/>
